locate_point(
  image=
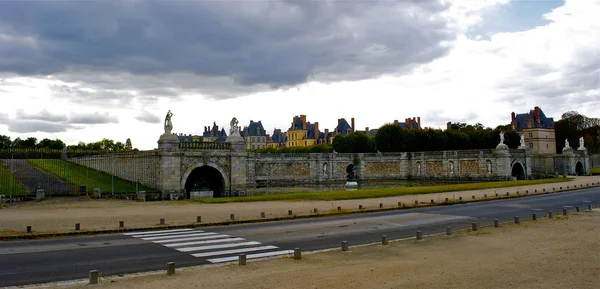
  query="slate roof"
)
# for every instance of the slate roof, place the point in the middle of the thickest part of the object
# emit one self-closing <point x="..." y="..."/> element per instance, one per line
<point x="278" y="136"/>
<point x="343" y="127"/>
<point x="521" y="120"/>
<point x="212" y="132"/>
<point x="254" y="129"/>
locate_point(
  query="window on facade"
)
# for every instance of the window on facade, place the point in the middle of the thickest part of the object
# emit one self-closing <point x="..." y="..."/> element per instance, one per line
<point x="531" y="135"/>
<point x="530" y="145"/>
<point x="304" y="142"/>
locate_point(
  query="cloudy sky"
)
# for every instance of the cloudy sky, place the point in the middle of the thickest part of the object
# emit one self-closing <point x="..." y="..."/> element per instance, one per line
<point x="84" y="70"/>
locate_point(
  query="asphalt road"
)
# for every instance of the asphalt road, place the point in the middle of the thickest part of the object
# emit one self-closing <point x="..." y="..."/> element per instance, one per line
<point x="41" y="261"/>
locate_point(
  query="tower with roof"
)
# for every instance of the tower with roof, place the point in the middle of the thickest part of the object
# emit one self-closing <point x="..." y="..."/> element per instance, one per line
<point x="536" y="129"/>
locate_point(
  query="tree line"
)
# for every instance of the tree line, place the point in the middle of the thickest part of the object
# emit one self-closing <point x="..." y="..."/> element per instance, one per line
<point x="574" y="125"/>
<point x="57" y="144"/>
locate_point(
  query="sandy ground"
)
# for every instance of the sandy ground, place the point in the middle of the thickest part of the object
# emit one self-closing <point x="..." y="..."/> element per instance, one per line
<point x="60" y="214"/>
<point x="548" y="253"/>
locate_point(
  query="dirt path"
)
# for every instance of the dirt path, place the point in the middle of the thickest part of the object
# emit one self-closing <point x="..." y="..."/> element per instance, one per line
<point x="60" y="214"/>
<point x="548" y="253"/>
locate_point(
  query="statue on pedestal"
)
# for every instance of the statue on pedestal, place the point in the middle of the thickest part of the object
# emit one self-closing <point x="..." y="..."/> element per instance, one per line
<point x="501" y="145"/>
<point x="567" y="147"/>
<point x="168" y="123"/>
<point x="581" y="144"/>
<point x="501" y="138"/>
<point x="234" y="130"/>
<point x="522" y="141"/>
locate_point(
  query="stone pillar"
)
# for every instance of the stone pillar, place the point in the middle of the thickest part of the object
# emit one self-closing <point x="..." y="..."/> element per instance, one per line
<point x="502" y="157"/>
<point x="238" y="173"/>
<point x="169" y="176"/>
<point x="568" y="161"/>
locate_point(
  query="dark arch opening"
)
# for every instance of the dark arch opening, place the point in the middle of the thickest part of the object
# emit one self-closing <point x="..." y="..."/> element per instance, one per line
<point x="579" y="169"/>
<point x="205" y="178"/>
<point x="518" y="171"/>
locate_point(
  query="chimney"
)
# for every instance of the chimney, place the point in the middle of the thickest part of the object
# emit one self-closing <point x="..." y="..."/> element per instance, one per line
<point x="303" y="118"/>
<point x="217" y="132"/>
<point x="512" y="116"/>
<point x="352" y="125"/>
<point x="316" y="130"/>
<point x="367" y="130"/>
<point x="326" y="132"/>
<point x="395" y="122"/>
<point x="419" y="121"/>
<point x="448" y="125"/>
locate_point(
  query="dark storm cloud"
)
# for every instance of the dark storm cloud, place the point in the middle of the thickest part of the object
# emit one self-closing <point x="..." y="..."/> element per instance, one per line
<point x="234" y="47"/>
<point x="146" y="116"/>
<point x="95" y="118"/>
<point x="30" y="126"/>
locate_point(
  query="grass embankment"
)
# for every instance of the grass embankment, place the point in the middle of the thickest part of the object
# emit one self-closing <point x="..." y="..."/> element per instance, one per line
<point x="380" y="192"/>
<point x="83" y="176"/>
<point x="595" y="171"/>
<point x="8" y="183"/>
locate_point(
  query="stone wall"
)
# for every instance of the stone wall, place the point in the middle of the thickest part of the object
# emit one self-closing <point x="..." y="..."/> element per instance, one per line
<point x="142" y="167"/>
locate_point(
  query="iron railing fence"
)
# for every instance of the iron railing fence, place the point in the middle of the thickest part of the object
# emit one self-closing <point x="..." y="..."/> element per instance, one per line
<point x="68" y="173"/>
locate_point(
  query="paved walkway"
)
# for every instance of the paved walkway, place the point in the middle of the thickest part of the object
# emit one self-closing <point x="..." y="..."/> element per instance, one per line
<point x="60" y="215"/>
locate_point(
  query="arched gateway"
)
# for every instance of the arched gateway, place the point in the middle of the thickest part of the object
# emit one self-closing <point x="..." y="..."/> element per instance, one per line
<point x="206" y="180"/>
<point x="579" y="169"/>
<point x="518" y="171"/>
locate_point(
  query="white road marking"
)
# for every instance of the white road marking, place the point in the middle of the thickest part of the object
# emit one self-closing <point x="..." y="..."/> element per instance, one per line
<point x="251" y="256"/>
<point x="221" y="246"/>
<point x="187" y="235"/>
<point x="168" y="234"/>
<point x="191" y="239"/>
<point x="205" y="242"/>
<point x="227" y="252"/>
<point x="156" y="232"/>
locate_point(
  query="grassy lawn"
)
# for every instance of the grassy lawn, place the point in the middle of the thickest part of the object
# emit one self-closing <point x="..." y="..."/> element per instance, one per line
<point x="6" y="179"/>
<point x="595" y="171"/>
<point x="80" y="175"/>
<point x="379" y="192"/>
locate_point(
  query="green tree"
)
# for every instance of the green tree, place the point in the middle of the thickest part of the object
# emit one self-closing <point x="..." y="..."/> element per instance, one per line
<point x="390" y="138"/>
<point x="5" y="142"/>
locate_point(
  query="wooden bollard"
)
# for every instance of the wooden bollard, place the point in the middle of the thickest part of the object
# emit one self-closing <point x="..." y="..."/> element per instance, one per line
<point x="416" y="203"/>
<point x="297" y="253"/>
<point x="242" y="259"/>
<point x="360" y="207"/>
<point x="384" y="240"/>
<point x="231" y="217"/>
<point x="171" y="268"/>
<point x="315" y="210"/>
<point x="339" y="209"/>
<point x="496" y="223"/>
<point x="565" y="211"/>
<point x="448" y="230"/>
<point x="93" y="277"/>
<point x="121" y="224"/>
<point x="399" y="204"/>
<point x="262" y="214"/>
<point x="517" y="220"/>
<point x="577" y="209"/>
<point x="496" y="195"/>
<point x="473" y="197"/>
<point x="432" y="201"/>
<point x="77" y="226"/>
<point x="460" y="198"/>
<point x="474" y="226"/>
<point x="28" y="229"/>
<point x="344" y="246"/>
<point x="419" y="235"/>
<point x="198" y="219"/>
<point x="446" y="200"/>
<point x="289" y="212"/>
<point x="534" y="216"/>
<point x="485" y="196"/>
<point x="162" y="221"/>
<point x="380" y="205"/>
<point x="589" y="207"/>
<point x="550" y="215"/>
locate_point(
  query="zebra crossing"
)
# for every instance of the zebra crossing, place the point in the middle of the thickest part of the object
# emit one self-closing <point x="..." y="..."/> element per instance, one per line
<point x="214" y="247"/>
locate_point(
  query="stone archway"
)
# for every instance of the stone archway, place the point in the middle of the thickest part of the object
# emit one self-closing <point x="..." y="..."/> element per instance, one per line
<point x="518" y="171"/>
<point x="579" y="170"/>
<point x="206" y="178"/>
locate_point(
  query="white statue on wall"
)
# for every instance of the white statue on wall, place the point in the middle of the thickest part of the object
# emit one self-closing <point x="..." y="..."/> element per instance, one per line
<point x="501" y="137"/>
<point x="168" y="123"/>
<point x="567" y="143"/>
<point x="522" y="142"/>
<point x="581" y="144"/>
<point x="451" y="168"/>
<point x="234" y="130"/>
<point x="488" y="165"/>
<point x="418" y="168"/>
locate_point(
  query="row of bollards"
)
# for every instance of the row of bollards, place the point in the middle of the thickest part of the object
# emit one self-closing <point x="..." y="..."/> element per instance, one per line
<point x="588" y="204"/>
